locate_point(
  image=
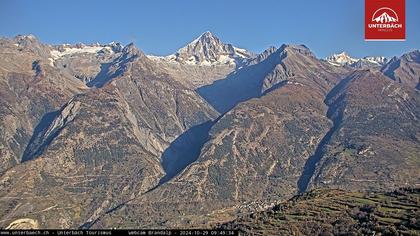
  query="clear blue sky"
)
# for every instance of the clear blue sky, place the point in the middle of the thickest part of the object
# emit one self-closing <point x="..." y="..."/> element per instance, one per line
<point x="161" y="27"/>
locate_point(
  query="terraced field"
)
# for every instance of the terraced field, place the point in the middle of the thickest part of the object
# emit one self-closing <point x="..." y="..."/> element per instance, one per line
<point x="337" y="212"/>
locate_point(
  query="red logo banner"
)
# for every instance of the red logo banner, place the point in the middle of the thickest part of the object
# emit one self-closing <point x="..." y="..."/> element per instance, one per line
<point x="384" y="19"/>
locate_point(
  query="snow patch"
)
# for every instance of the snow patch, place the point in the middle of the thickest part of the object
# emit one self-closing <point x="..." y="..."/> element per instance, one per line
<point x="76" y="50"/>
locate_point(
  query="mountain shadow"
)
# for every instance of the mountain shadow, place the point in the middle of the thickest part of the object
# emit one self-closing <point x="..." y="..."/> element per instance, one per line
<point x="184" y="150"/>
<point x="102" y="77"/>
<point x="34" y="147"/>
<point x="241" y="85"/>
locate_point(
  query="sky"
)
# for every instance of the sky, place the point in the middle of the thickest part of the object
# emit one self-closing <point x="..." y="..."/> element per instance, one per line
<point x="161" y="27"/>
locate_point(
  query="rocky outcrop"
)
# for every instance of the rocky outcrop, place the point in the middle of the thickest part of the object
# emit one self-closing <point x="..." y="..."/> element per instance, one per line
<point x="47" y="132"/>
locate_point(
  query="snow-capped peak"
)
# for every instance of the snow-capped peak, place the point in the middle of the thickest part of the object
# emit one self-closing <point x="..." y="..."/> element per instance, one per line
<point x="204" y="37"/>
<point x="340" y="59"/>
<point x="208" y="50"/>
<point x="343" y="59"/>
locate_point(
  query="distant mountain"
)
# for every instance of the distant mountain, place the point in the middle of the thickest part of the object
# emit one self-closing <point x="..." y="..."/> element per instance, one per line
<point x="370" y="62"/>
<point x="340" y="59"/>
<point x="343" y="59"/>
<point x="86" y="62"/>
<point x="405" y="69"/>
<point x="209" y="50"/>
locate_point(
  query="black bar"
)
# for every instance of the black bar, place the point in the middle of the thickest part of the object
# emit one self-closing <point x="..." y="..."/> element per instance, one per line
<point x="147" y="232"/>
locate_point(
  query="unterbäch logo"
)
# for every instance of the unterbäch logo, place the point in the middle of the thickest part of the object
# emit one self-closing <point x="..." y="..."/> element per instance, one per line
<point x="385" y="15"/>
<point x="385" y="18"/>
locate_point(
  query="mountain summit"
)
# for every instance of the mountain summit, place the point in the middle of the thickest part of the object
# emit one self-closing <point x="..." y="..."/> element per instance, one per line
<point x="208" y="50"/>
<point x="340" y="59"/>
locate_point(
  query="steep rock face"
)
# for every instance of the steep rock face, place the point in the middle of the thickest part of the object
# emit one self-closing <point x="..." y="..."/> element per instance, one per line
<point x="30" y="88"/>
<point x="94" y="163"/>
<point x="103" y="147"/>
<point x="40" y="140"/>
<point x="376" y="141"/>
<point x="405" y="69"/>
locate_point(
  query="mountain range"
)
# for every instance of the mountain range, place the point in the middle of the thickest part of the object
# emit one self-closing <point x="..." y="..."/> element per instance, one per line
<point x="104" y="136"/>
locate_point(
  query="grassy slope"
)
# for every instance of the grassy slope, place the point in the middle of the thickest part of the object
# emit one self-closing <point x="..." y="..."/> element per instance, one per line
<point x="336" y="212"/>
